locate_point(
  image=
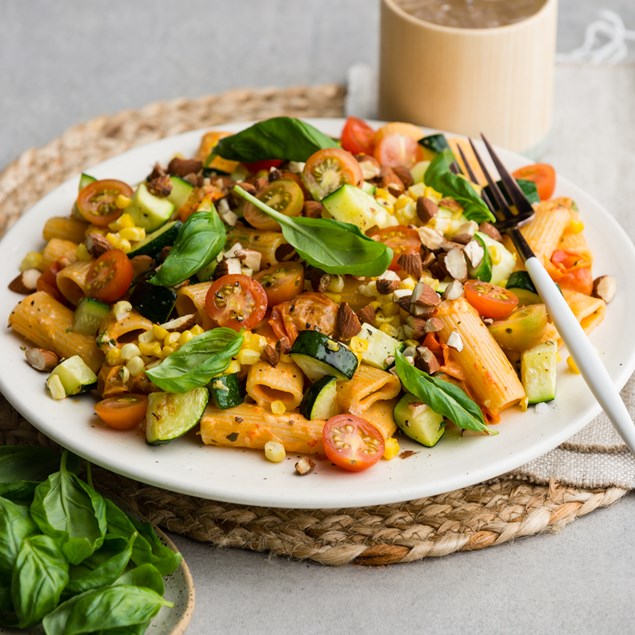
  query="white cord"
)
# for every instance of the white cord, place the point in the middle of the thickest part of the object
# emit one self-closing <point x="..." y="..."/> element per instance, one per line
<point x="605" y="41"/>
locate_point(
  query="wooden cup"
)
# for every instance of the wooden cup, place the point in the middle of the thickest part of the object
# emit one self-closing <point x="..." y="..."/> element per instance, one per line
<point x="498" y="81"/>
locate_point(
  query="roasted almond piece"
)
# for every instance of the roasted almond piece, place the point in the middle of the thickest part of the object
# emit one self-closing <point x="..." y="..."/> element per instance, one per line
<point x="161" y="186"/>
<point x="41" y="359"/>
<point x="371" y="168"/>
<point x="474" y="252"/>
<point x="367" y="314"/>
<point x="312" y="209"/>
<point x="431" y="238"/>
<point x="427" y="209"/>
<point x="465" y="232"/>
<point x="182" y="167"/>
<point x="386" y="285"/>
<point x="406" y="302"/>
<point x="141" y="264"/>
<point x="417" y="326"/>
<point x="347" y="324"/>
<point x="490" y="230"/>
<point x="455" y="264"/>
<point x="411" y="264"/>
<point x="283" y="344"/>
<point x="454" y="290"/>
<point x="404" y="174"/>
<point x="180" y="323"/>
<point x="270" y="355"/>
<point x="304" y="466"/>
<point x="424" y="295"/>
<point x="451" y="204"/>
<point x="604" y="287"/>
<point x="97" y="244"/>
<point x="426" y="360"/>
<point x="433" y="325"/>
<point x="25" y="282"/>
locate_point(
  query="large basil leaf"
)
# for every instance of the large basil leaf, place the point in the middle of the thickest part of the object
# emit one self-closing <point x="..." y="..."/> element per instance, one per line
<point x="23" y="467"/>
<point x="200" y="240"/>
<point x="39" y="577"/>
<point x="15" y="525"/>
<point x="442" y="396"/>
<point x="98" y="610"/>
<point x="196" y="362"/>
<point x="275" y="138"/>
<point x="67" y="508"/>
<point x="103" y="567"/>
<point x="440" y="178"/>
<point x="329" y="245"/>
<point x="146" y="575"/>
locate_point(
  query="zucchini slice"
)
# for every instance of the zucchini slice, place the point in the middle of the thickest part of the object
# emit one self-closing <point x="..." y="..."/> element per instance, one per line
<point x="538" y="371"/>
<point x="351" y="204"/>
<point x="170" y="415"/>
<point x="147" y="210"/>
<point x="88" y="316"/>
<point x="418" y="421"/>
<point x="74" y="376"/>
<point x="181" y="191"/>
<point x="432" y="145"/>
<point x="318" y="355"/>
<point x="226" y="391"/>
<point x="85" y="179"/>
<point x="153" y="302"/>
<point x="157" y="240"/>
<point x="320" y="400"/>
<point x="381" y="348"/>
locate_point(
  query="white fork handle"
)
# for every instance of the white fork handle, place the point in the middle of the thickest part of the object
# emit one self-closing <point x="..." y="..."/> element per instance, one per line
<point x="582" y="351"/>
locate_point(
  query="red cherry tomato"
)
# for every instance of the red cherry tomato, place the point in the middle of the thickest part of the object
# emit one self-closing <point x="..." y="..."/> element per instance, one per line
<point x="401" y="239"/>
<point x="236" y="301"/>
<point x="398" y="149"/>
<point x="490" y="300"/>
<point x="352" y="443"/>
<point x="328" y="169"/>
<point x="109" y="277"/>
<point x="97" y="201"/>
<point x="48" y="281"/>
<point x="572" y="271"/>
<point x="542" y="174"/>
<point x="122" y="412"/>
<point x="357" y="136"/>
<point x="282" y="282"/>
<point x="265" y="164"/>
<point x="284" y="195"/>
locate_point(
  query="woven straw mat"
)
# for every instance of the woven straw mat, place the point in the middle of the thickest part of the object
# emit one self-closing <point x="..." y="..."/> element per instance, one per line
<point x="473" y="518"/>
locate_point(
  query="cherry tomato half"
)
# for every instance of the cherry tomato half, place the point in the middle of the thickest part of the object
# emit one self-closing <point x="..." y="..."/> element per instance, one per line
<point x="328" y="169"/>
<point x="572" y="271"/>
<point x="398" y="149"/>
<point x="265" y="164"/>
<point x="284" y="195"/>
<point x="542" y="174"/>
<point x="401" y="239"/>
<point x="236" y="301"/>
<point x="490" y="300"/>
<point x="48" y="281"/>
<point x="97" y="201"/>
<point x="352" y="443"/>
<point x="282" y="282"/>
<point x="122" y="412"/>
<point x="357" y="136"/>
<point x="109" y="277"/>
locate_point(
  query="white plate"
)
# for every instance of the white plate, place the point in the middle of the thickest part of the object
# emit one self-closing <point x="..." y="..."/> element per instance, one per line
<point x="245" y="477"/>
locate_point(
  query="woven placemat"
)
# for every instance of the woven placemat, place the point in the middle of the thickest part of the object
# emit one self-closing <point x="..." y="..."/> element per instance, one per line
<point x="473" y="518"/>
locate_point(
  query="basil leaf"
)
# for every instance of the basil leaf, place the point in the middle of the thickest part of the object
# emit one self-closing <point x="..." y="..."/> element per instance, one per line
<point x="200" y="240"/>
<point x="102" y="609"/>
<point x="146" y="575"/>
<point x="23" y="467"/>
<point x="15" y="525"/>
<point x="39" y="577"/>
<point x="329" y="245"/>
<point x="275" y="138"/>
<point x="442" y="396"/>
<point x="196" y="362"/>
<point x="440" y="178"/>
<point x="67" y="508"/>
<point x="484" y="270"/>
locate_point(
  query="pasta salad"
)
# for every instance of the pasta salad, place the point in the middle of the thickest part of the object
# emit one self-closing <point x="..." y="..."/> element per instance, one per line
<point x="289" y="292"/>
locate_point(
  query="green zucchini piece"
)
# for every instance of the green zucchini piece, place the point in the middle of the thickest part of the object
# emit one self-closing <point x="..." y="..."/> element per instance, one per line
<point x="381" y="348"/>
<point x="484" y="270"/>
<point x="147" y="210"/>
<point x="318" y="355"/>
<point x="351" y="204"/>
<point x="418" y="421"/>
<point x="85" y="179"/>
<point x="171" y="415"/>
<point x="153" y="302"/>
<point x="226" y="391"/>
<point x="433" y="144"/>
<point x="74" y="375"/>
<point x="320" y="400"/>
<point x="538" y="371"/>
<point x="157" y="240"/>
<point x="88" y="316"/>
<point x="528" y="188"/>
<point x="181" y="191"/>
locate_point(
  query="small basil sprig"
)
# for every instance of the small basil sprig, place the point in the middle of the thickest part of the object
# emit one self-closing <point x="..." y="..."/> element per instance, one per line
<point x="484" y="270"/>
<point x="440" y="178"/>
<point x="442" y="396"/>
<point x="275" y="138"/>
<point x="200" y="239"/>
<point x="196" y="362"/>
<point x="329" y="245"/>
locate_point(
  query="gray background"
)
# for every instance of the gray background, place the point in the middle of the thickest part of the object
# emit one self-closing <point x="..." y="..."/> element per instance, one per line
<point x="69" y="61"/>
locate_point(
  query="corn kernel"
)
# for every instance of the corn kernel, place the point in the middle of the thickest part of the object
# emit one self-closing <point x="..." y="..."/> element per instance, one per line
<point x="336" y="285"/>
<point x="122" y="201"/>
<point x="113" y="356"/>
<point x="152" y="349"/>
<point x="135" y="366"/>
<point x="275" y="452"/>
<point x="433" y="194"/>
<point x="134" y="234"/>
<point x="146" y="337"/>
<point x="125" y="220"/>
<point x="253" y="341"/>
<point x="389" y="329"/>
<point x="405" y="210"/>
<point x="82" y="253"/>
<point x="129" y="350"/>
<point x="172" y="339"/>
<point x="278" y="407"/>
<point x="121" y="309"/>
<point x="167" y="350"/>
<point x="159" y="332"/>
<point x="358" y="344"/>
<point x="32" y="260"/>
<point x="197" y="329"/>
<point x="124" y="374"/>
<point x="408" y="283"/>
<point x="416" y="190"/>
<point x="573" y="367"/>
<point x="575" y="226"/>
<point x="391" y="448"/>
<point x="390" y="308"/>
<point x="234" y="367"/>
<point x="247" y="356"/>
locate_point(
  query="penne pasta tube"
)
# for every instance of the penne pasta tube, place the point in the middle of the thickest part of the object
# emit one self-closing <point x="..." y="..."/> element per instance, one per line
<point x="283" y="382"/>
<point x="57" y="248"/>
<point x="380" y="414"/>
<point x="116" y="332"/>
<point x="191" y="299"/>
<point x="251" y="426"/>
<point x="590" y="311"/>
<point x="488" y="373"/>
<point x="71" y="280"/>
<point x="368" y="385"/>
<point x="544" y="231"/>
<point x="65" y="228"/>
<point x="47" y="323"/>
<point x="271" y="245"/>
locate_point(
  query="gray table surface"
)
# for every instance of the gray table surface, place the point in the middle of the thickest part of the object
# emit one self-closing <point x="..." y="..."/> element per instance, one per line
<point x="66" y="62"/>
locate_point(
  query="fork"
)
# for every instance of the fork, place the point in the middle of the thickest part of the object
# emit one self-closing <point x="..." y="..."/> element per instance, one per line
<point x="509" y="220"/>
